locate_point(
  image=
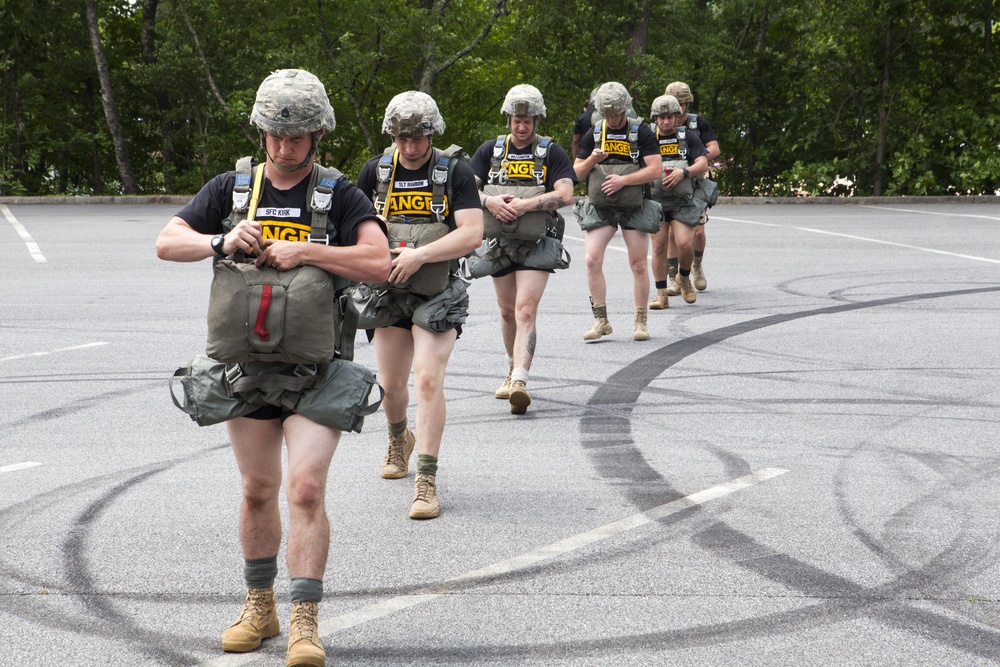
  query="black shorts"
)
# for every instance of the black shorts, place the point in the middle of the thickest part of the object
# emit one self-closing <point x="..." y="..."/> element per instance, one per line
<point x="268" y="412"/>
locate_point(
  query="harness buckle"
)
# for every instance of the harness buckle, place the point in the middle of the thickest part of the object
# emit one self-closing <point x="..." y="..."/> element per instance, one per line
<point x="233" y="373"/>
<point x="539" y="175"/>
<point x="321" y="201"/>
<point x="440" y="174"/>
<point x="384" y="171"/>
<point x="325" y="240"/>
<point x="241" y="201"/>
<point x="437" y="209"/>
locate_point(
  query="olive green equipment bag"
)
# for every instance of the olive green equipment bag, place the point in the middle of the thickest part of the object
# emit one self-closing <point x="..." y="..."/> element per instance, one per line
<point x="335" y="394"/>
<point x="628" y="198"/>
<point x="418" y="231"/>
<point x="530" y="226"/>
<point x="430" y="278"/>
<point x="682" y="191"/>
<point x="533" y="225"/>
<point x="297" y="316"/>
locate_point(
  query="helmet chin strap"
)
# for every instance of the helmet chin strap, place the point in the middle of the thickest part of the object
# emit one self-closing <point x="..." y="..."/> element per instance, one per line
<point x="288" y="169"/>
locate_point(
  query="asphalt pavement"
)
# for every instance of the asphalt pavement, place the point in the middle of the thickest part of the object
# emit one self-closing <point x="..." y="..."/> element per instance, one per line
<point x="798" y="469"/>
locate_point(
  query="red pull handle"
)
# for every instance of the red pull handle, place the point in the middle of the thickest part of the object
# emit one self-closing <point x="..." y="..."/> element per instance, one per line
<point x="265" y="304"/>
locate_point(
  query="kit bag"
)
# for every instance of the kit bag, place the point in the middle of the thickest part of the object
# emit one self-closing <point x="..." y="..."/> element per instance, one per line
<point x="335" y="394"/>
<point x="530" y="226"/>
<point x="263" y="314"/>
<point x="430" y="278"/>
<point x="683" y="190"/>
<point x="627" y="199"/>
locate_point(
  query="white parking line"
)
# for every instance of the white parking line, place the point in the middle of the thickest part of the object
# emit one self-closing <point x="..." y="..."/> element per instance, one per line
<point x="36" y="253"/>
<point x="391" y="606"/>
<point x="19" y="466"/>
<point x="861" y="238"/>
<point x="907" y="210"/>
<point x="61" y="349"/>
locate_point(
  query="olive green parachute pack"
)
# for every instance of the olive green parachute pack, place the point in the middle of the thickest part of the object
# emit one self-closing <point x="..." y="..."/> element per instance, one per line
<point x="418" y="231"/>
<point x="628" y="198"/>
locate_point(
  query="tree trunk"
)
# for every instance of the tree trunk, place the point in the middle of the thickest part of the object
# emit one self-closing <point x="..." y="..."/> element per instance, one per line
<point x="883" y="109"/>
<point x="638" y="39"/>
<point x="148" y="40"/>
<point x="129" y="183"/>
<point x="431" y="68"/>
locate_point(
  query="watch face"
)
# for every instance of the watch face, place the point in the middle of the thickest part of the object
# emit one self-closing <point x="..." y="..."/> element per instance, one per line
<point x="217" y="242"/>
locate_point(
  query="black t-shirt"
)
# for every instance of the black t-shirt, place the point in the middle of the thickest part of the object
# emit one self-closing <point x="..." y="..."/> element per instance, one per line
<point x="282" y="213"/>
<point x="617" y="146"/>
<point x="703" y="128"/>
<point x="411" y="189"/>
<point x="521" y="163"/>
<point x="670" y="146"/>
<point x="584" y="122"/>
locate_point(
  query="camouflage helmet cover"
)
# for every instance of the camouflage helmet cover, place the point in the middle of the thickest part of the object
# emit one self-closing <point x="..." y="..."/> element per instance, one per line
<point x="681" y="91"/>
<point x="523" y="100"/>
<point x="412" y="114"/>
<point x="664" y="104"/>
<point x="612" y="99"/>
<point x="291" y="102"/>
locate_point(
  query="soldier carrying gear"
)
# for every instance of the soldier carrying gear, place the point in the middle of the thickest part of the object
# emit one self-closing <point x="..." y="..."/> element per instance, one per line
<point x="412" y="114"/>
<point x="429" y="200"/>
<point x="292" y="102"/>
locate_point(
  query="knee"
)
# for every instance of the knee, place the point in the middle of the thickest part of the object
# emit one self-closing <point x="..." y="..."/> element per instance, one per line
<point x="659" y="244"/>
<point x="259" y="492"/>
<point x="594" y="263"/>
<point x="526" y="314"/>
<point x="638" y="267"/>
<point x="506" y="311"/>
<point x="305" y="492"/>
<point x="427" y="383"/>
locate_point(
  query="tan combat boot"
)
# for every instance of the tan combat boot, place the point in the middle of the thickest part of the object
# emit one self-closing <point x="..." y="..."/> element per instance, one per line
<point x="687" y="291"/>
<point x="640" y="332"/>
<point x="257" y="621"/>
<point x="601" y="326"/>
<point x="661" y="301"/>
<point x="504" y="390"/>
<point x="304" y="646"/>
<point x="520" y="399"/>
<point x="673" y="287"/>
<point x="397" y="458"/>
<point x="698" y="275"/>
<point x="425" y="501"/>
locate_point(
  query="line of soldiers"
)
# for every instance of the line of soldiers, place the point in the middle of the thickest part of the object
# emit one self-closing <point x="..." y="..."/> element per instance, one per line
<point x="397" y="236"/>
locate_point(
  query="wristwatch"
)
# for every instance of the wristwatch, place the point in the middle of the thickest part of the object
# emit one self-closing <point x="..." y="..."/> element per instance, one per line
<point x="217" y="242"/>
<point x="687" y="174"/>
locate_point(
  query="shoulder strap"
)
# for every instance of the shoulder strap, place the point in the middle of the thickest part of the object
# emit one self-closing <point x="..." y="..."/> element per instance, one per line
<point x="498" y="173"/>
<point x="541" y="152"/>
<point x="383" y="180"/>
<point x="633" y="138"/>
<point x="241" y="190"/>
<point x="442" y="165"/>
<point x="682" y="145"/>
<point x="322" y="182"/>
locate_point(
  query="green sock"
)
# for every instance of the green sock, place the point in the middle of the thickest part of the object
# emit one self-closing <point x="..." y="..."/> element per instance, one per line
<point x="260" y="572"/>
<point x="397" y="428"/>
<point x="304" y="589"/>
<point x="699" y="253"/>
<point x="427" y="464"/>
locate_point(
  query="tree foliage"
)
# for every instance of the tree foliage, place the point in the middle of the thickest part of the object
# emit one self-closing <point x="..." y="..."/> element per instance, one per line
<point x="807" y="96"/>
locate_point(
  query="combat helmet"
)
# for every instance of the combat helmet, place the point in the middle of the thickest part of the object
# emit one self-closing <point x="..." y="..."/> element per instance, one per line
<point x="681" y="91"/>
<point x="412" y="114"/>
<point x="291" y="102"/>
<point x="664" y="104"/>
<point x="523" y="100"/>
<point x="612" y="99"/>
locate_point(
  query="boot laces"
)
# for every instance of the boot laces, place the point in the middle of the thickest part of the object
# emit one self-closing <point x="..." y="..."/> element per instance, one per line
<point x="425" y="489"/>
<point x="257" y="601"/>
<point x="395" y="454"/>
<point x="304" y="619"/>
